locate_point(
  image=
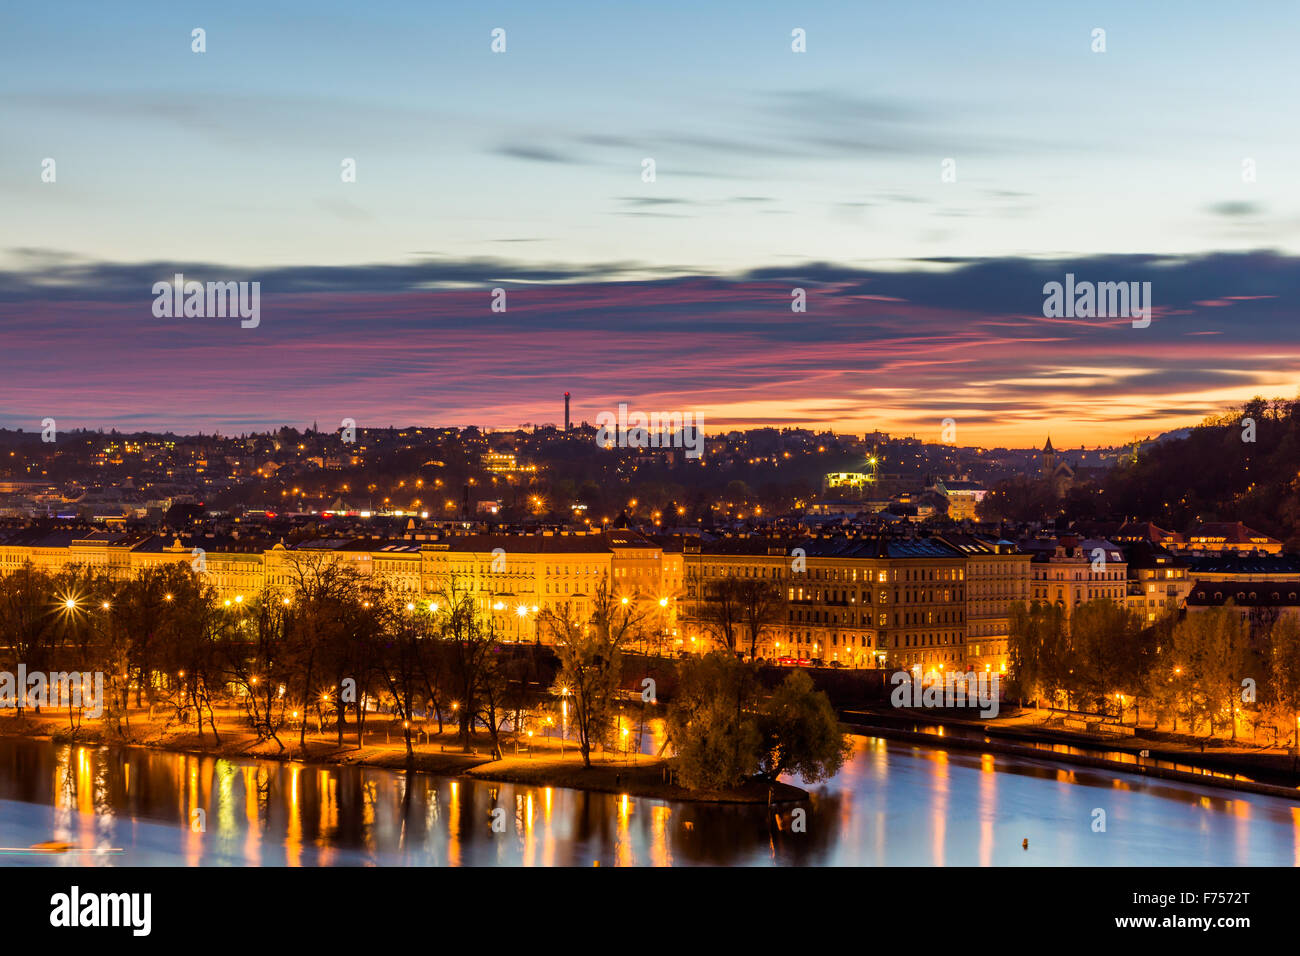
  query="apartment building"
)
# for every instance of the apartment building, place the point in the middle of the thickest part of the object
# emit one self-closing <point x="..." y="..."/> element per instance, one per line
<point x="997" y="575"/>
<point x="1070" y="571"/>
<point x="866" y="602"/>
<point x="1158" y="581"/>
<point x="512" y="577"/>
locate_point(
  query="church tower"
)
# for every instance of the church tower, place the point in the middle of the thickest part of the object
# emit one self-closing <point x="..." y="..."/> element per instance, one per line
<point x="1049" y="460"/>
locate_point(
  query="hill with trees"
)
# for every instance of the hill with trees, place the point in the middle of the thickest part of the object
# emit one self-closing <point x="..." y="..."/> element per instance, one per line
<point x="1242" y="465"/>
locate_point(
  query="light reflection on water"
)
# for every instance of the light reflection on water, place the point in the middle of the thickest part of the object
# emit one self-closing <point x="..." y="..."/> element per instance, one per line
<point x="893" y="804"/>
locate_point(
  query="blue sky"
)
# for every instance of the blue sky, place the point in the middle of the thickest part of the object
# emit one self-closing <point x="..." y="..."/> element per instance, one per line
<point x="763" y="156"/>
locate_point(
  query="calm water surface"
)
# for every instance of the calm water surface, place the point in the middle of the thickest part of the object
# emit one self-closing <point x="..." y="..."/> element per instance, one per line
<point x="894" y="804"/>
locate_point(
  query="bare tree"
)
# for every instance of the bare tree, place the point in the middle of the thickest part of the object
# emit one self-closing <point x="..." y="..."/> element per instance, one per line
<point x="468" y="642"/>
<point x="762" y="604"/>
<point x="721" y="611"/>
<point x="590" y="654"/>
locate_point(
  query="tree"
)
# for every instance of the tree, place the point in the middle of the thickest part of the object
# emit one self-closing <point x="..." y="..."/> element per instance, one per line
<point x="1284" y="671"/>
<point x="407" y="626"/>
<point x="320" y="612"/>
<point x="154" y="608"/>
<point x="762" y="603"/>
<point x="196" y="658"/>
<point x="1037" y="648"/>
<point x="256" y="647"/>
<point x="468" y="642"/>
<point x="721" y="612"/>
<point x="1210" y="648"/>
<point x="29" y="620"/>
<point x="1104" y="651"/>
<point x="591" y="661"/>
<point x="800" y="732"/>
<point x="712" y="722"/>
<point x="501" y="696"/>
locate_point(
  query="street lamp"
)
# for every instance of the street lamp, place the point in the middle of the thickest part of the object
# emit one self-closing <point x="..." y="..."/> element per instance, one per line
<point x="564" y="717"/>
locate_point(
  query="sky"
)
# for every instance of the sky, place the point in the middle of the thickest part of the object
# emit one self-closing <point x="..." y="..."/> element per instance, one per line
<point x="773" y="170"/>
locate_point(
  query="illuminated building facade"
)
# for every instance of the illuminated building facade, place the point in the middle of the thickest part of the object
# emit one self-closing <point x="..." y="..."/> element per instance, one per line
<point x="866" y="602"/>
<point x="512" y="577"/>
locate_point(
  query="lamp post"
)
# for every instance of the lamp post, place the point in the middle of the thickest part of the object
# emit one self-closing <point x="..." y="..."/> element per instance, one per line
<point x="564" y="712"/>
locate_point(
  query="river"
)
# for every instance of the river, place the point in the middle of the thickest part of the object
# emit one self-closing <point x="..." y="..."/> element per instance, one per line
<point x="892" y="804"/>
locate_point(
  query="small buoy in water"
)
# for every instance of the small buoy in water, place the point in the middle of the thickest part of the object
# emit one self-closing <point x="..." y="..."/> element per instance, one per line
<point x="1024" y="844"/>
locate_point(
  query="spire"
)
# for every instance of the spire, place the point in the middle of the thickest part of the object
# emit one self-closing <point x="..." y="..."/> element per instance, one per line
<point x="1048" y="449"/>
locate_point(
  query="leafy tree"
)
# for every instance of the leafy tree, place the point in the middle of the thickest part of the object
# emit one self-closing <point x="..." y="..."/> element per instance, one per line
<point x="1211" y="649"/>
<point x="1103" y="636"/>
<point x="800" y="732"/>
<point x="712" y="722"/>
<point x="1038" y="650"/>
<point x="1284" y="674"/>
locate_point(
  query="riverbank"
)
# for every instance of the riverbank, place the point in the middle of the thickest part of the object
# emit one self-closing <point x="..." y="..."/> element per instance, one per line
<point x="538" y="761"/>
<point x="1022" y="735"/>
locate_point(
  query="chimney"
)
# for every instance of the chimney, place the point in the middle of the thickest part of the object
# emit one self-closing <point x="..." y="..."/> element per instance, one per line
<point x="566" y="413"/>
